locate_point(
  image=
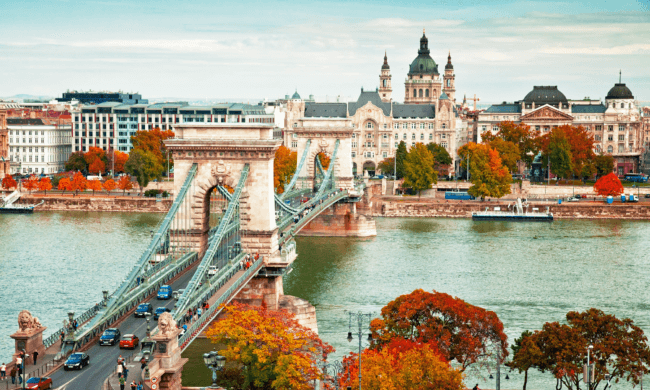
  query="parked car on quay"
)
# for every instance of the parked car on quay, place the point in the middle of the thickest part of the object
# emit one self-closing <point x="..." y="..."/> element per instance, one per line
<point x="110" y="337"/>
<point x="77" y="361"/>
<point x="129" y="341"/>
<point x="159" y="311"/>
<point x="212" y="270"/>
<point x="143" y="309"/>
<point x="178" y="293"/>
<point x="574" y="198"/>
<point x="40" y="383"/>
<point x="165" y="292"/>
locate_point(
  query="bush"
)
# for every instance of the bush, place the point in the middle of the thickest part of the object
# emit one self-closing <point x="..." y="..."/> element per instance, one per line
<point x="165" y="194"/>
<point x="154" y="193"/>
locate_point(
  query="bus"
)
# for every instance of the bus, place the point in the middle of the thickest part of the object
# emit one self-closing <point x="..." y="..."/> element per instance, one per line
<point x="636" y="177"/>
<point x="458" y="195"/>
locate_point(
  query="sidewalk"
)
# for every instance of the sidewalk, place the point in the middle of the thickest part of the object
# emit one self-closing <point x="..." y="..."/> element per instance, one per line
<point x="134" y="374"/>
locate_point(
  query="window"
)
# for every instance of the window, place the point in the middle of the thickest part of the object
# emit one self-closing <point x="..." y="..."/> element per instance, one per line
<point x="294" y="144"/>
<point x="354" y="144"/>
<point x="610" y="149"/>
<point x="385" y="125"/>
<point x="421" y="136"/>
<point x="443" y="144"/>
<point x="370" y="125"/>
<point x="415" y="93"/>
<point x="610" y="137"/>
<point x="404" y="136"/>
<point x="597" y="138"/>
<point x="422" y="126"/>
<point x="396" y="145"/>
<point x="599" y="127"/>
<point x="413" y="136"/>
<point x="430" y="126"/>
<point x="384" y="154"/>
<point x="484" y="128"/>
<point x="430" y="136"/>
<point x="444" y="136"/>
<point x="396" y="136"/>
<point x="598" y="149"/>
<point x="384" y="136"/>
<point x="369" y="135"/>
<point x="621" y="148"/>
<point x="621" y="137"/>
<point x="621" y="127"/>
<point x="354" y="154"/>
<point x="353" y="135"/>
<point x="395" y="125"/>
<point x="495" y="128"/>
<point x="610" y="127"/>
<point x="426" y="92"/>
<point x="421" y="94"/>
<point x="413" y="126"/>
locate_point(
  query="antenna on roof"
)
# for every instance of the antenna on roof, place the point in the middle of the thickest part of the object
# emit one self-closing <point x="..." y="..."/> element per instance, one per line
<point x="619" y="76"/>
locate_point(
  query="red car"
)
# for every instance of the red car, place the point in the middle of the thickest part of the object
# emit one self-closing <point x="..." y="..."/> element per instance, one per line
<point x="39" y="383"/>
<point x="129" y="341"/>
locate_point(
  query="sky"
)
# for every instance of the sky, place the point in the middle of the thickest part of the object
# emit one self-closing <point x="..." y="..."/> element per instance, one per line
<point x="251" y="50"/>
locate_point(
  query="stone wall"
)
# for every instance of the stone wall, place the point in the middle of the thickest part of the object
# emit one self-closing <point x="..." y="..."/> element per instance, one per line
<point x="118" y="204"/>
<point x="396" y="207"/>
<point x="340" y="220"/>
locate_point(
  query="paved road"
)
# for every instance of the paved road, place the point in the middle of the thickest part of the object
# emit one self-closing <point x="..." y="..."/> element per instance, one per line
<point x="103" y="360"/>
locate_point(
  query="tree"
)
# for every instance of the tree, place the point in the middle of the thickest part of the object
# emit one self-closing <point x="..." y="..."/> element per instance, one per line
<point x="125" y="183"/>
<point x="65" y="184"/>
<point x="487" y="174"/>
<point x="604" y="164"/>
<point x="418" y="169"/>
<point x="400" y="154"/>
<point x="608" y="185"/>
<point x="520" y="134"/>
<point x="78" y="182"/>
<point x="441" y="158"/>
<point x="45" y="184"/>
<point x="410" y="365"/>
<point x="466" y="333"/>
<point x="525" y="355"/>
<point x="387" y="166"/>
<point x="324" y="160"/>
<point x="619" y="348"/>
<point x="144" y="166"/>
<point x="582" y="147"/>
<point x="109" y="185"/>
<point x="558" y="149"/>
<point x="31" y="183"/>
<point x="116" y="164"/>
<point x="284" y="167"/>
<point x="579" y="144"/>
<point x="96" y="160"/>
<point x="508" y="151"/>
<point x="270" y="349"/>
<point x="8" y="182"/>
<point x="152" y="141"/>
<point x="76" y="162"/>
<point x="94" y="185"/>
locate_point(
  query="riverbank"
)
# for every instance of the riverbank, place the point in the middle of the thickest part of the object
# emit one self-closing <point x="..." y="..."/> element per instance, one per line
<point x="396" y="206"/>
<point x="86" y="202"/>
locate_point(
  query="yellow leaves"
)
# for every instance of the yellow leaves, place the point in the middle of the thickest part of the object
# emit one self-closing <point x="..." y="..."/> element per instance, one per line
<point x="284" y="167"/>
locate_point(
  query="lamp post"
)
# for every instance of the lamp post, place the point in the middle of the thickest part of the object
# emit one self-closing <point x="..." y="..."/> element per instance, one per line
<point x="71" y="328"/>
<point x="105" y="293"/>
<point x="214" y="362"/>
<point x="337" y="369"/>
<point x="148" y="315"/>
<point x="360" y="317"/>
<point x="588" y="370"/>
<point x="498" y="384"/>
<point x="25" y="356"/>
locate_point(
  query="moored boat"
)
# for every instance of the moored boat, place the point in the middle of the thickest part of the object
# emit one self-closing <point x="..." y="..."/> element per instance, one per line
<point x="516" y="212"/>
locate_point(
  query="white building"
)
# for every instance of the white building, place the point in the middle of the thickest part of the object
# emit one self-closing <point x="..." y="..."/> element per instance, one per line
<point x="38" y="145"/>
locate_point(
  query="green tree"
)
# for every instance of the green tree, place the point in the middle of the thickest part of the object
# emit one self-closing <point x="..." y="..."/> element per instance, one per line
<point x="525" y="355"/>
<point x="487" y="174"/>
<point x="76" y="162"/>
<point x="604" y="164"/>
<point x="144" y="166"/>
<point x="441" y="158"/>
<point x="401" y="157"/>
<point x="560" y="155"/>
<point x="508" y="151"/>
<point x="418" y="169"/>
<point x="387" y="166"/>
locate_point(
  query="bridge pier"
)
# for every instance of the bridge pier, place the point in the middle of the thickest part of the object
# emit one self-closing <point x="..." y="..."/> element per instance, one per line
<point x="340" y="220"/>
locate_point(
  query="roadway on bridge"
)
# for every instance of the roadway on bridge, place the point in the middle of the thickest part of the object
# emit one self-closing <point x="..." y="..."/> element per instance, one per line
<point x="103" y="359"/>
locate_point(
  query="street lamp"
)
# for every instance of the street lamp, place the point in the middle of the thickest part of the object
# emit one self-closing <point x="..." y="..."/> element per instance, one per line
<point x="71" y="321"/>
<point x="214" y="362"/>
<point x="105" y="293"/>
<point x="360" y="317"/>
<point x="588" y="370"/>
<point x="337" y="370"/>
<point x="147" y="315"/>
<point x="498" y="373"/>
<point x="25" y="356"/>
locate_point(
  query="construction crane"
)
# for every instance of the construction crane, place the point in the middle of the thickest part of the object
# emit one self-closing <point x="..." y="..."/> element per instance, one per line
<point x="475" y="100"/>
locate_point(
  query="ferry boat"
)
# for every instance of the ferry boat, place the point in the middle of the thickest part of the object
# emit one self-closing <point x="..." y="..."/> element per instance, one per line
<point x="8" y="206"/>
<point x="516" y="212"/>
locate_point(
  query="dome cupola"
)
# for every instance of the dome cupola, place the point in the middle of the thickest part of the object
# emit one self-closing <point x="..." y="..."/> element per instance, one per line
<point x="385" y="65"/>
<point x="423" y="63"/>
<point x="449" y="66"/>
<point x="619" y="91"/>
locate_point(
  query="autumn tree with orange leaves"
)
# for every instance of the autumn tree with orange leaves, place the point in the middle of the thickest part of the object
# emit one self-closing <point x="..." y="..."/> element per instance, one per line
<point x="120" y="159"/>
<point x="109" y="185"/>
<point x="78" y="182"/>
<point x="266" y="349"/>
<point x="488" y="175"/>
<point x="324" y="160"/>
<point x="460" y="331"/>
<point x="401" y="364"/>
<point x="8" y="182"/>
<point x="125" y="183"/>
<point x="96" y="160"/>
<point x="609" y="185"/>
<point x="580" y="145"/>
<point x="520" y="134"/>
<point x="94" y="185"/>
<point x="31" y="183"/>
<point x="65" y="184"/>
<point x="45" y="184"/>
<point x="152" y="141"/>
<point x="284" y="166"/>
<point x="620" y="349"/>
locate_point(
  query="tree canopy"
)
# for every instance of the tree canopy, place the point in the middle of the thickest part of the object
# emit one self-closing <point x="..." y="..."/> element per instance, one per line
<point x="144" y="166"/>
<point x="508" y="151"/>
<point x="401" y="158"/>
<point x="8" y="182"/>
<point x="268" y="349"/>
<point x="608" y="185"/>
<point x="45" y="184"/>
<point x="604" y="164"/>
<point x="76" y="162"/>
<point x="520" y="134"/>
<point x="418" y="169"/>
<point x="487" y="174"/>
<point x="441" y="158"/>
<point x="284" y="166"/>
<point x="387" y="166"/>
<point x="152" y="141"/>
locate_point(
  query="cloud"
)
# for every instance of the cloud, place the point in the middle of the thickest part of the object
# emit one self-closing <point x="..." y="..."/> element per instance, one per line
<point x="638" y="48"/>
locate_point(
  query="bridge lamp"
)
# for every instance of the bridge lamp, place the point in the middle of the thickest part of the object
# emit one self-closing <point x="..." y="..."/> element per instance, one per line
<point x="105" y="292"/>
<point x="214" y="362"/>
<point x="70" y="321"/>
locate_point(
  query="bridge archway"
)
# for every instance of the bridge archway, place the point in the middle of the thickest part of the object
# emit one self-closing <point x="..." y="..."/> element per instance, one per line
<point x="369" y="167"/>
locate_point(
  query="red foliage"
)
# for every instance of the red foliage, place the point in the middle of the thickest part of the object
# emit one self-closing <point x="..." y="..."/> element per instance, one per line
<point x="31" y="184"/>
<point x="8" y="182"/>
<point x="608" y="185"/>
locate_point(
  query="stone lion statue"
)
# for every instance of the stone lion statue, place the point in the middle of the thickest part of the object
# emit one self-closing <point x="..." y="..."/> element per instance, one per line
<point x="27" y="322"/>
<point x="166" y="324"/>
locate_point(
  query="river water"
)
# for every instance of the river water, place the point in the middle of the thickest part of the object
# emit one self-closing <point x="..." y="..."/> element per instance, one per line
<point x="528" y="273"/>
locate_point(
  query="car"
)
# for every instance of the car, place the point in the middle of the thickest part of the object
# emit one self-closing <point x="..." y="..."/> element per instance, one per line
<point x="212" y="270"/>
<point x="159" y="311"/>
<point x="143" y="309"/>
<point x="77" y="361"/>
<point x="129" y="341"/>
<point x="380" y="177"/>
<point x="647" y="195"/>
<point x="165" y="292"/>
<point x="110" y="337"/>
<point x="573" y="199"/>
<point x="178" y="293"/>
<point x="40" y="383"/>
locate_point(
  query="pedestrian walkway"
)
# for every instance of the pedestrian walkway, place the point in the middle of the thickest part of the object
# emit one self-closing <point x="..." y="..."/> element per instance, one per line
<point x="134" y="373"/>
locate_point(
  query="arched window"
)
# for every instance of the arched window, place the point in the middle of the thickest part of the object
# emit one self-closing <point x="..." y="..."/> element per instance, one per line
<point x="610" y="149"/>
<point x="426" y="92"/>
<point x="435" y="93"/>
<point x="385" y="83"/>
<point x="449" y="82"/>
<point x="421" y="95"/>
<point x="415" y="93"/>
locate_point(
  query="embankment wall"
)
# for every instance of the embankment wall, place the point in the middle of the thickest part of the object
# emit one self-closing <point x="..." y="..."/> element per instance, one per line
<point x="86" y="203"/>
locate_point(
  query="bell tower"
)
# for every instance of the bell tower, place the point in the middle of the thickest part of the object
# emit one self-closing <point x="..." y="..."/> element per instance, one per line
<point x="385" y="88"/>
<point x="449" y="87"/>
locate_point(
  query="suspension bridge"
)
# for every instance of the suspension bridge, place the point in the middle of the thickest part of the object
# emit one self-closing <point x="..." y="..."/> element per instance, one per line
<point x="225" y="215"/>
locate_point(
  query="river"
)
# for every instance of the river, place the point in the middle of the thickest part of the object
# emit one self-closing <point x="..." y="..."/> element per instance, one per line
<point x="528" y="273"/>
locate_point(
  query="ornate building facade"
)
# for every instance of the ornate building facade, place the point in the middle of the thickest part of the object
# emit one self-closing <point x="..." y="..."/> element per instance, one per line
<point x="615" y="123"/>
<point x="428" y="114"/>
<point x="4" y="146"/>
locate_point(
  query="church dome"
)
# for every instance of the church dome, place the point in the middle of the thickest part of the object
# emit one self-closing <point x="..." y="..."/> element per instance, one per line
<point x="619" y="91"/>
<point x="541" y="95"/>
<point x="295" y="95"/>
<point x="423" y="63"/>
